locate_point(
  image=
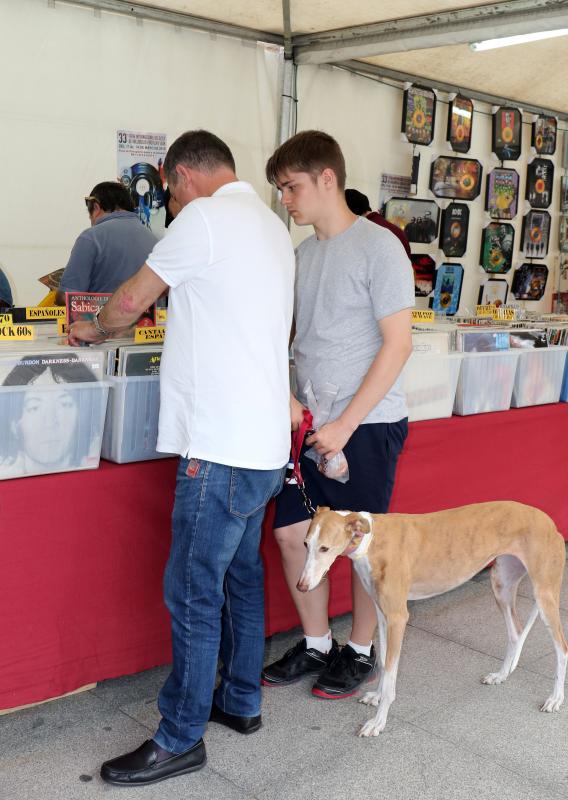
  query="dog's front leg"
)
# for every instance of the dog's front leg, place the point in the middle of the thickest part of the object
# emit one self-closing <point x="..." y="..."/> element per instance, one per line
<point x="373" y="697"/>
<point x="396" y="623"/>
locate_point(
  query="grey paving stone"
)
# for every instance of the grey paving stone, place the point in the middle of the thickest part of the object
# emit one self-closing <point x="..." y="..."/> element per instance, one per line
<point x="404" y="764"/>
<point x="469" y="615"/>
<point x="128" y="688"/>
<point x="434" y="671"/>
<point x="64" y="762"/>
<point x="503" y="724"/>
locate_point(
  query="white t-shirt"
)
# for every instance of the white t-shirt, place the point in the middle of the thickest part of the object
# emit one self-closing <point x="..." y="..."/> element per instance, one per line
<point x="229" y="262"/>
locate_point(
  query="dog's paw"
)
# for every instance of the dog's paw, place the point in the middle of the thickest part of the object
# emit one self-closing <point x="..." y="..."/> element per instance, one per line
<point x="371" y="698"/>
<point x="553" y="703"/>
<point x="493" y="678"/>
<point x="372" y="728"/>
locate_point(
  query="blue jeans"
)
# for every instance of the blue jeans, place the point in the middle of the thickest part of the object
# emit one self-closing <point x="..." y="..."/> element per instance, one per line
<point x="214" y="590"/>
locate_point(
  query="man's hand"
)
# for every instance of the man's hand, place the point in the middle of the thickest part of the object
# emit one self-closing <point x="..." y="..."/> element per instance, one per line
<point x="331" y="438"/>
<point x="296" y="412"/>
<point x="84" y="332"/>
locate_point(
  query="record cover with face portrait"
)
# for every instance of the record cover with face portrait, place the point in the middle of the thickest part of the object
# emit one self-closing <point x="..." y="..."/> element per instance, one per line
<point x="417" y="218"/>
<point x="52" y="407"/>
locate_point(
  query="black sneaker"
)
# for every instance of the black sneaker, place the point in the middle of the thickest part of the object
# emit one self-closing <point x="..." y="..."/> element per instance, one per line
<point x="297" y="662"/>
<point x="345" y="674"/>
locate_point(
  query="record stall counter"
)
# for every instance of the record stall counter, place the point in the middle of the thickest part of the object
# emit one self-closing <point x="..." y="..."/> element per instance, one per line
<point x="84" y="551"/>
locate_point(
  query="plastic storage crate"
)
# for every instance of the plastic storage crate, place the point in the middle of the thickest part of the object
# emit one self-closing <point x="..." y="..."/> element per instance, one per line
<point x="486" y="382"/>
<point x="430" y="381"/>
<point x="131" y="425"/>
<point x="539" y="376"/>
<point x="55" y="427"/>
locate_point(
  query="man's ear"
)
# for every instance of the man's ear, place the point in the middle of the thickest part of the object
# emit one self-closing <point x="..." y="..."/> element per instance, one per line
<point x="355" y="523"/>
<point x="321" y="509"/>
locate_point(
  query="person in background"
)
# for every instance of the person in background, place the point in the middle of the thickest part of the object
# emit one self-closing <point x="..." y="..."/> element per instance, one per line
<point x="172" y="208"/>
<point x="358" y="203"/>
<point x="112" y="249"/>
<point x="6" y="299"/>
<point x="225" y="408"/>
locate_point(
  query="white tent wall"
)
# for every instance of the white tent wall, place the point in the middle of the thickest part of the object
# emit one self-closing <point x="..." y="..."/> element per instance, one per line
<point x="364" y="115"/>
<point x="71" y="78"/>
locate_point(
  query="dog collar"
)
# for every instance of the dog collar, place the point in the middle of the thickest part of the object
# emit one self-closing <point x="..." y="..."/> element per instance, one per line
<point x="358" y="546"/>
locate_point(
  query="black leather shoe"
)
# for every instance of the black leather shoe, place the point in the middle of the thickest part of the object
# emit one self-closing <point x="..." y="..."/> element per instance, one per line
<point x="240" y="724"/>
<point x="142" y="766"/>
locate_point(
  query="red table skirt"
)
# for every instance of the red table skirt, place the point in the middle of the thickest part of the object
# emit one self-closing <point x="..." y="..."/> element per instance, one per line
<point x="83" y="553"/>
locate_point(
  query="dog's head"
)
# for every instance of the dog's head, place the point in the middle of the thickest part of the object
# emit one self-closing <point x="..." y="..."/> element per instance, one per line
<point x="330" y="534"/>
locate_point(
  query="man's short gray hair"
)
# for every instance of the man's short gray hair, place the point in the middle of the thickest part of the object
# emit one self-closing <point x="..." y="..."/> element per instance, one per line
<point x="200" y="150"/>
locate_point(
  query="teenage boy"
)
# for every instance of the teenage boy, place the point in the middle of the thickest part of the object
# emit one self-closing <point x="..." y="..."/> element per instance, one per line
<point x="354" y="291"/>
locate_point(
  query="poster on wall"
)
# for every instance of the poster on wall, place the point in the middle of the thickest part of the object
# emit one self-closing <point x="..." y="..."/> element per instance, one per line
<point x="457" y="178"/>
<point x="540" y="178"/>
<point x="393" y="186"/>
<point x="424" y="268"/>
<point x="453" y="230"/>
<point x="447" y="289"/>
<point x="140" y="159"/>
<point x="506" y="133"/>
<point x="529" y="281"/>
<point x="535" y="235"/>
<point x="493" y="292"/>
<point x="543" y="137"/>
<point x="417" y="218"/>
<point x="502" y="193"/>
<point x="460" y="123"/>
<point x="497" y="241"/>
<point x="418" y="114"/>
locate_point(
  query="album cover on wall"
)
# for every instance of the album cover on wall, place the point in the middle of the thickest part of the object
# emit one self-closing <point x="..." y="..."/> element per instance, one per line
<point x="502" y="193"/>
<point x="417" y="218"/>
<point x="497" y="241"/>
<point x="460" y="123"/>
<point x="536" y="233"/>
<point x="424" y="268"/>
<point x="447" y="289"/>
<point x="529" y="281"/>
<point x="563" y="234"/>
<point x="564" y="194"/>
<point x="506" y="133"/>
<point x="493" y="292"/>
<point x="544" y="130"/>
<point x="419" y="114"/>
<point x="453" y="230"/>
<point x="457" y="178"/>
<point x="540" y="177"/>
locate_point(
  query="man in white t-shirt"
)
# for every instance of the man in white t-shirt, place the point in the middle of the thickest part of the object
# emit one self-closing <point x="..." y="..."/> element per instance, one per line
<point x="229" y="265"/>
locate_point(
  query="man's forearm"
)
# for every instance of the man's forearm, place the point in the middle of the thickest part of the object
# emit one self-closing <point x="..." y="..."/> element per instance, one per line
<point x="130" y="299"/>
<point x="381" y="375"/>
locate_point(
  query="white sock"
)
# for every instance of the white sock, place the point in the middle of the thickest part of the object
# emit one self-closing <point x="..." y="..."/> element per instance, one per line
<point x="321" y="643"/>
<point x="359" y="648"/>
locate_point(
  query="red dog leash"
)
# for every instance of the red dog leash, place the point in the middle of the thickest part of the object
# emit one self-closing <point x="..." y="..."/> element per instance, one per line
<point x="298" y="437"/>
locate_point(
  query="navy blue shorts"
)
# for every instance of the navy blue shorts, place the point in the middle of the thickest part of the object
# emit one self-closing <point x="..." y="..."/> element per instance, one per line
<point x="372" y="453"/>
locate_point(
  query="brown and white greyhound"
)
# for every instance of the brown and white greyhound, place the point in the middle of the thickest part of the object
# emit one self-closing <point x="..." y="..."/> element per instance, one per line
<point x="413" y="556"/>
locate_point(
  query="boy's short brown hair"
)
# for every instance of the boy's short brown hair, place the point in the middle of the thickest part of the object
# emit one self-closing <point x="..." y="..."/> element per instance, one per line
<point x="307" y="151"/>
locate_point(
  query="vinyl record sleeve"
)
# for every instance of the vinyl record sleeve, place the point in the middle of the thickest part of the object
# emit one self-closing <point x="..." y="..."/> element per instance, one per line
<point x="453" y="230"/>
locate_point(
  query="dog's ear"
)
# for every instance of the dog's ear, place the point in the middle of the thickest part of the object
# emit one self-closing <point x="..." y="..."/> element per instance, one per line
<point x="321" y="509"/>
<point x="355" y="523"/>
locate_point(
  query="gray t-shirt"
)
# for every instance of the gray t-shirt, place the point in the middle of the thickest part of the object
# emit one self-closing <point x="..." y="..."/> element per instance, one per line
<point x="344" y="286"/>
<point x="107" y="254"/>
